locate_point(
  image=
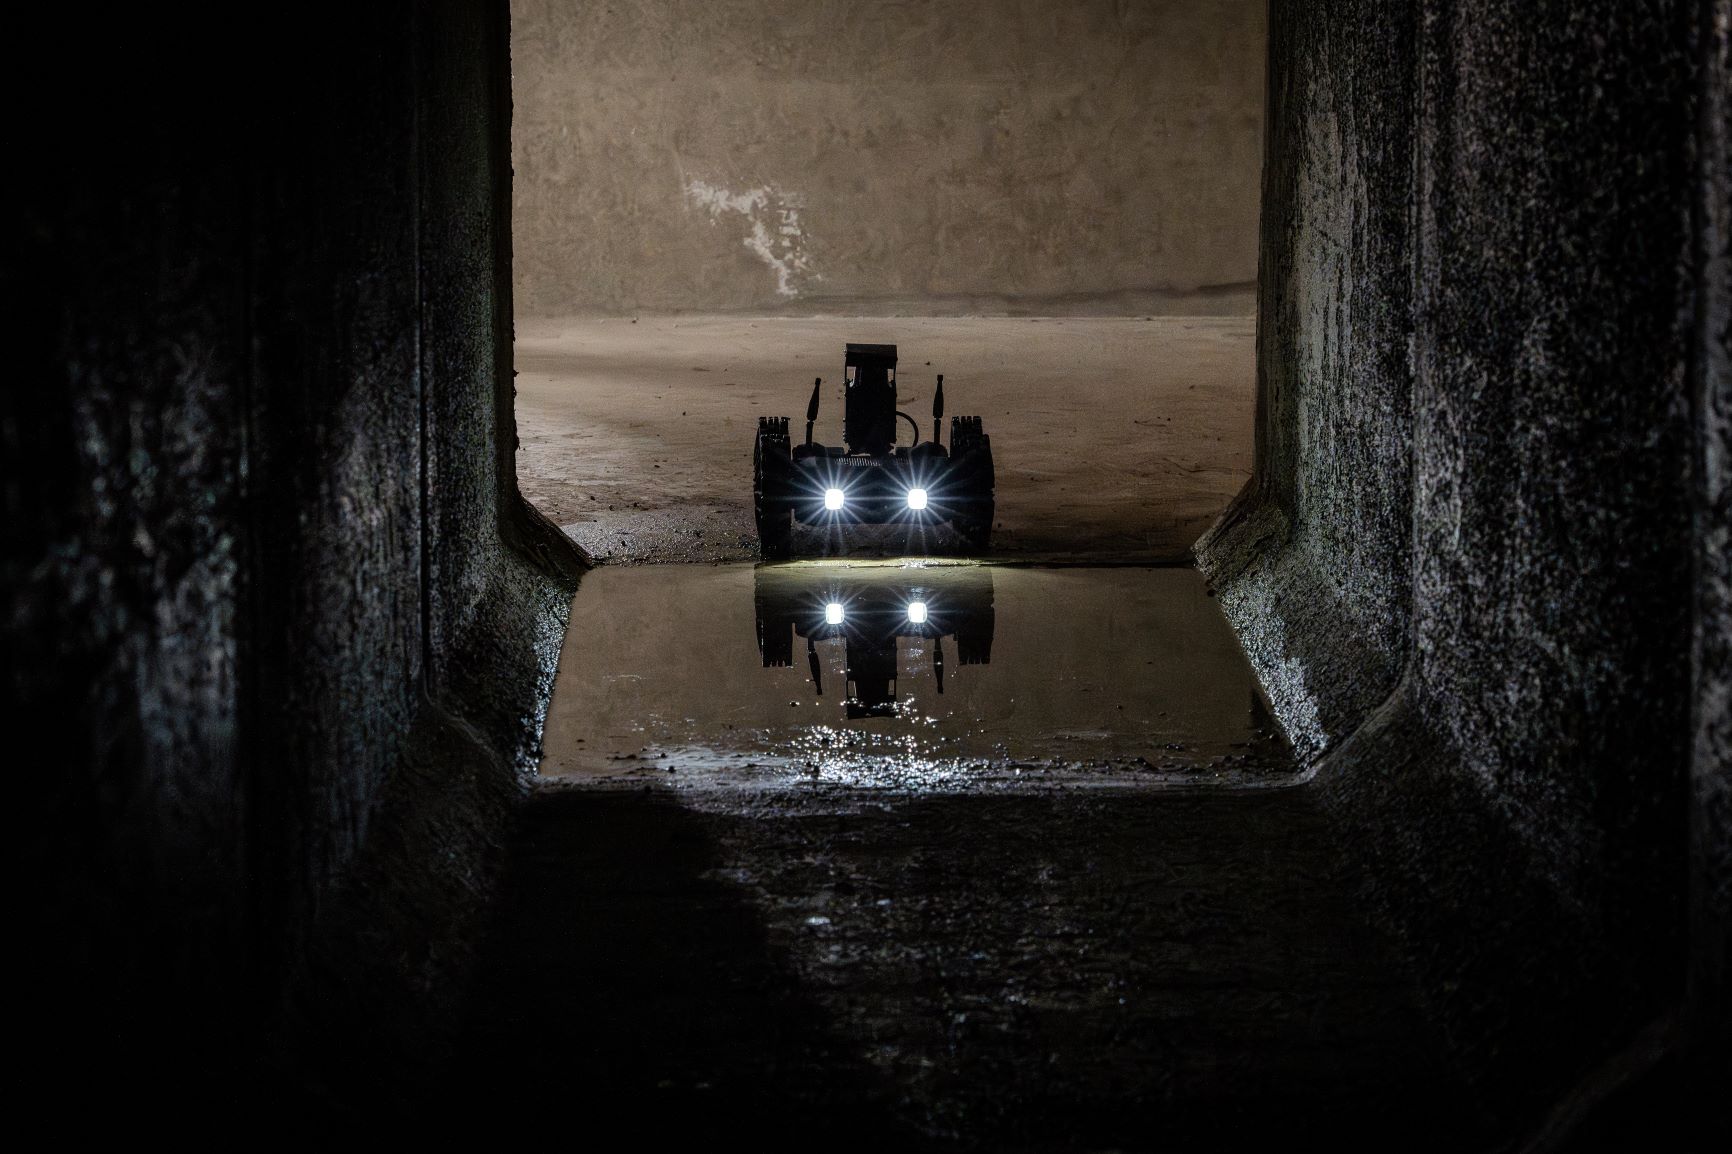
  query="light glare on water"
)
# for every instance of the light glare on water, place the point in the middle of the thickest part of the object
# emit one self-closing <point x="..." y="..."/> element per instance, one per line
<point x="933" y="676"/>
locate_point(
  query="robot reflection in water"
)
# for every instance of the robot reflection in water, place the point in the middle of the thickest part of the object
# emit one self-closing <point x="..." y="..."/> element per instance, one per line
<point x="870" y="609"/>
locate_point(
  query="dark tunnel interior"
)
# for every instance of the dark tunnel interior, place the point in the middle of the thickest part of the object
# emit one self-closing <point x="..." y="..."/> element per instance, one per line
<point x="312" y="847"/>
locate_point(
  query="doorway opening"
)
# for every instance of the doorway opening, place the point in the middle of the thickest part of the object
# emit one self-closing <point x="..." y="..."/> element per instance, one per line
<point x="1056" y="212"/>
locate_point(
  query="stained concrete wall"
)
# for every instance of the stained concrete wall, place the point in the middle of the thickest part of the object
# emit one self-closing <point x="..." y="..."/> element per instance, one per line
<point x="1327" y="511"/>
<point x="273" y="600"/>
<point x="952" y="156"/>
<point x="1506" y="454"/>
<point x="1710" y="999"/>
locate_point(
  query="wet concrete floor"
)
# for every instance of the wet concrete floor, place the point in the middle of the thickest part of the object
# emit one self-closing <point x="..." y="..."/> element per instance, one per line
<point x="1079" y="901"/>
<point x="848" y="969"/>
<point x="907" y="674"/>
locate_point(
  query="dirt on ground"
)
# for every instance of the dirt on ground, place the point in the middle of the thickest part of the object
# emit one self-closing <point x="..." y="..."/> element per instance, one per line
<point x="1116" y="438"/>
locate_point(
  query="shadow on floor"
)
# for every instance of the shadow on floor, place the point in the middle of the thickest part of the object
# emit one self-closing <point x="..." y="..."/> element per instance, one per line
<point x="625" y="982"/>
<point x="1075" y="970"/>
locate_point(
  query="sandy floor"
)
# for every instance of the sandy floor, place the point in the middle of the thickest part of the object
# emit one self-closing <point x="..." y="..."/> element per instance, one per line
<point x="1114" y="438"/>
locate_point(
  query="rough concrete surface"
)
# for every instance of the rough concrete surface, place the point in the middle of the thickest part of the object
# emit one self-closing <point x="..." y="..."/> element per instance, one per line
<point x="872" y="970"/>
<point x="944" y="157"/>
<point x="1113" y="438"/>
<point x="1312" y="560"/>
<point x="1518" y="798"/>
<point x="259" y="542"/>
<point x="1711" y="384"/>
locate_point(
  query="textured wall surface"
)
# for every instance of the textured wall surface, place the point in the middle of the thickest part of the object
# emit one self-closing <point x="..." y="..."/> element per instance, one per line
<point x="266" y="572"/>
<point x="1711" y="813"/>
<point x="337" y="664"/>
<point x="1552" y="527"/>
<point x="954" y="156"/>
<point x="1317" y="547"/>
<point x="1523" y="199"/>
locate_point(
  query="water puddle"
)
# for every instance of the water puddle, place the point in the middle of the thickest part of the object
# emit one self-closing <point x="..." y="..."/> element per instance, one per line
<point x="909" y="675"/>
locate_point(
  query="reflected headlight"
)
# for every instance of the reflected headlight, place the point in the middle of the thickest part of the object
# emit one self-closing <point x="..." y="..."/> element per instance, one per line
<point x="917" y="499"/>
<point x="832" y="499"/>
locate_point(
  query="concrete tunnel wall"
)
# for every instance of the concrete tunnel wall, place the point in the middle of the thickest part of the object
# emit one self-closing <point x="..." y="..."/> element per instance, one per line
<point x="274" y="603"/>
<point x="953" y="156"/>
<point x="1482" y="563"/>
<point x="282" y="624"/>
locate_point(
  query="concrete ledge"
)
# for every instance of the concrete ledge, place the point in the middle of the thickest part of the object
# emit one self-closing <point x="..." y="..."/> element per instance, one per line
<point x="380" y="1001"/>
<point x="1320" y="665"/>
